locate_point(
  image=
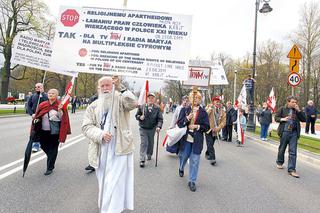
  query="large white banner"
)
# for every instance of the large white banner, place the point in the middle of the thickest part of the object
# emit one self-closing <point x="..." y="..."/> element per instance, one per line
<point x="218" y="75"/>
<point x="35" y="52"/>
<point x="198" y="76"/>
<point x="123" y="42"/>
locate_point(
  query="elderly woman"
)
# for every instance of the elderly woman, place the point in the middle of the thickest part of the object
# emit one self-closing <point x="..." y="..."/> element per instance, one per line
<point x="54" y="127"/>
<point x="197" y="122"/>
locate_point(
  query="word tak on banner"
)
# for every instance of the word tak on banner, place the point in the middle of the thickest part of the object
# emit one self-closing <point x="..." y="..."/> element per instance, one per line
<point x="70" y="17"/>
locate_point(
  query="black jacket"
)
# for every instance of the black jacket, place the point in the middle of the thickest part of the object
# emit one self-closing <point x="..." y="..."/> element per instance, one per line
<point x="33" y="102"/>
<point x="284" y="112"/>
<point x="265" y="117"/>
<point x="152" y="119"/>
<point x="231" y="116"/>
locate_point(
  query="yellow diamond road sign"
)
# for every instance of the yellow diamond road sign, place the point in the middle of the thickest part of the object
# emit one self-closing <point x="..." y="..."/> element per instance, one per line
<point x="294" y="53"/>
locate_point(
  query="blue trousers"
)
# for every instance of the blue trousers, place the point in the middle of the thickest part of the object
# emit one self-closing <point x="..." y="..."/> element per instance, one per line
<point x="194" y="161"/>
<point x="290" y="138"/>
<point x="264" y="130"/>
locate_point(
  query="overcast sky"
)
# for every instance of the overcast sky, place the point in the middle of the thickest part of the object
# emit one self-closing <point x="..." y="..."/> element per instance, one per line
<point x="218" y="25"/>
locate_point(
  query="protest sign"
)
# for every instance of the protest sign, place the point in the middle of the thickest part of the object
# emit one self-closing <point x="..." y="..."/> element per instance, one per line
<point x="123" y="42"/>
<point x="198" y="76"/>
<point x="218" y="75"/>
<point x="31" y="51"/>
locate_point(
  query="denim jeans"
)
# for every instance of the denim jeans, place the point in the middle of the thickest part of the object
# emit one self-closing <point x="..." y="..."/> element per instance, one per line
<point x="264" y="130"/>
<point x="194" y="161"/>
<point x="290" y="138"/>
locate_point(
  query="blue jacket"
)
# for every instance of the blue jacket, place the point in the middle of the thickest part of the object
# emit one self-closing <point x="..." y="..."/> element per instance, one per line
<point x="202" y="120"/>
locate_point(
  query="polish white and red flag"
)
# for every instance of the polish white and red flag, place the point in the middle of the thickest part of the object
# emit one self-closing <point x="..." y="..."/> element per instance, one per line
<point x="241" y="103"/>
<point x="144" y="94"/>
<point x="242" y="99"/>
<point x="65" y="101"/>
<point x="271" y="102"/>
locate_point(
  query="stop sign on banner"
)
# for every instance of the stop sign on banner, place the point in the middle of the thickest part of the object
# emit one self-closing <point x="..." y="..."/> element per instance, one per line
<point x="294" y="79"/>
<point x="69" y="18"/>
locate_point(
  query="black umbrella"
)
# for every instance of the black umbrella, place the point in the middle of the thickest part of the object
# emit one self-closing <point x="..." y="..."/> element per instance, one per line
<point x="27" y="153"/>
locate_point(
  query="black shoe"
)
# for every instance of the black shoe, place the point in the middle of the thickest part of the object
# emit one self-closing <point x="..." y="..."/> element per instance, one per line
<point x="213" y="162"/>
<point x="48" y="172"/>
<point x="181" y="173"/>
<point x="229" y="140"/>
<point x="90" y="168"/>
<point x="141" y="164"/>
<point x="192" y="186"/>
<point x="149" y="157"/>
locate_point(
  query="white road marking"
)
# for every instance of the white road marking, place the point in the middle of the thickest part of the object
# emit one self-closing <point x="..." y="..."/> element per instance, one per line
<point x="76" y="140"/>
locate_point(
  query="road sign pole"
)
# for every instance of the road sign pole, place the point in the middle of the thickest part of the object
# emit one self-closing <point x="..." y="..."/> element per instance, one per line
<point x="292" y="91"/>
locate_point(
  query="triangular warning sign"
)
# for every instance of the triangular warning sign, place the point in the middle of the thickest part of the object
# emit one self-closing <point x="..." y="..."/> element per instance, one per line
<point x="294" y="53"/>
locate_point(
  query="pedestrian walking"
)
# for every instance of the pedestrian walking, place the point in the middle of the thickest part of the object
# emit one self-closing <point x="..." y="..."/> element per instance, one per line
<point x="184" y="103"/>
<point x="311" y="113"/>
<point x="217" y="120"/>
<point x="265" y="120"/>
<point x="150" y="120"/>
<point x="74" y="103"/>
<point x="289" y="117"/>
<point x="36" y="98"/>
<point x="111" y="145"/>
<point x="196" y="119"/>
<point x="231" y="117"/>
<point x="55" y="126"/>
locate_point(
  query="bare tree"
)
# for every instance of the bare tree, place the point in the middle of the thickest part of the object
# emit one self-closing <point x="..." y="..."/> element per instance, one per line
<point x="308" y="39"/>
<point x="16" y="16"/>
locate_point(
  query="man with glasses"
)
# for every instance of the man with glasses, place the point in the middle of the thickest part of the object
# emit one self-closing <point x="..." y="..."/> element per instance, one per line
<point x="33" y="102"/>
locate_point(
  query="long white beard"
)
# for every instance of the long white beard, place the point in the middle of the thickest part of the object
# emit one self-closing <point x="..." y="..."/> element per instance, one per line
<point x="104" y="103"/>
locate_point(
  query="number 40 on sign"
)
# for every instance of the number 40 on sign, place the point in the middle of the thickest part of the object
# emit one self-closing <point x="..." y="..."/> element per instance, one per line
<point x="294" y="79"/>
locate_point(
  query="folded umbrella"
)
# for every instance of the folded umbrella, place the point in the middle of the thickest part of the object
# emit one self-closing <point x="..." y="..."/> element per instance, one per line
<point x="28" y="151"/>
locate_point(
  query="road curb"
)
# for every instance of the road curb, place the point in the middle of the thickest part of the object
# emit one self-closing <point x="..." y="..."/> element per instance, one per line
<point x="302" y="155"/>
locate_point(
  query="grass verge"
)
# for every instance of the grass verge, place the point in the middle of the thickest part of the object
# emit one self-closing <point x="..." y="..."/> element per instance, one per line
<point x="11" y="112"/>
<point x="307" y="143"/>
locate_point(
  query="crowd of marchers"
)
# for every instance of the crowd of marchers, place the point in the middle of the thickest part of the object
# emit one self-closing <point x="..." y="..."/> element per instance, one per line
<point x="106" y="123"/>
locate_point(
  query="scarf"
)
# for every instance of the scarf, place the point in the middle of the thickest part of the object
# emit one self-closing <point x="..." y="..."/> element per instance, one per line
<point x="44" y="108"/>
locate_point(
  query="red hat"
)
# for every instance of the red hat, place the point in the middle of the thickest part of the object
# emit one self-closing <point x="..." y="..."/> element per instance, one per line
<point x="216" y="98"/>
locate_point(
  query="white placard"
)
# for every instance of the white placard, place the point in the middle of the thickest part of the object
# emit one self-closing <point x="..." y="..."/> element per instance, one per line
<point x="123" y="42"/>
<point x="35" y="52"/>
<point x="218" y="75"/>
<point x="198" y="76"/>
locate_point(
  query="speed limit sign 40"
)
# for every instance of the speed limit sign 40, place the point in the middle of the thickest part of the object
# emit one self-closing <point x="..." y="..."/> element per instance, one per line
<point x="294" y="79"/>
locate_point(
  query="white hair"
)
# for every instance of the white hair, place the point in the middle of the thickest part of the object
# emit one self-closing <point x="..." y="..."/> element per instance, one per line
<point x="310" y="102"/>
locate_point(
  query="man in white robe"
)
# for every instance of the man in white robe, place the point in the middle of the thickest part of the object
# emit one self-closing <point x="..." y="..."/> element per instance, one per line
<point x="111" y="145"/>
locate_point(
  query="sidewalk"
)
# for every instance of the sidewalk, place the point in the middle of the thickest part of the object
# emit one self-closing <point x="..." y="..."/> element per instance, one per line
<point x="303" y="155"/>
<point x="275" y="125"/>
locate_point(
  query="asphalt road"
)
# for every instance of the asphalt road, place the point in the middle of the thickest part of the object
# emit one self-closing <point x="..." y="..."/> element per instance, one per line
<point x="244" y="180"/>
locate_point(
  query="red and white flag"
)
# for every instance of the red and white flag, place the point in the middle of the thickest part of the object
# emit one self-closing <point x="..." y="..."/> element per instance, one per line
<point x="242" y="99"/>
<point x="144" y="94"/>
<point x="271" y="102"/>
<point x="67" y="94"/>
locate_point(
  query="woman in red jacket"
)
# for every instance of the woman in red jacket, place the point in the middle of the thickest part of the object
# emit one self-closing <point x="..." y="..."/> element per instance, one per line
<point x="53" y="122"/>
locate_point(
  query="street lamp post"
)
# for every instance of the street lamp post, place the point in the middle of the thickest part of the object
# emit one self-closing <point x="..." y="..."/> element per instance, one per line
<point x="265" y="9"/>
<point x="235" y="86"/>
